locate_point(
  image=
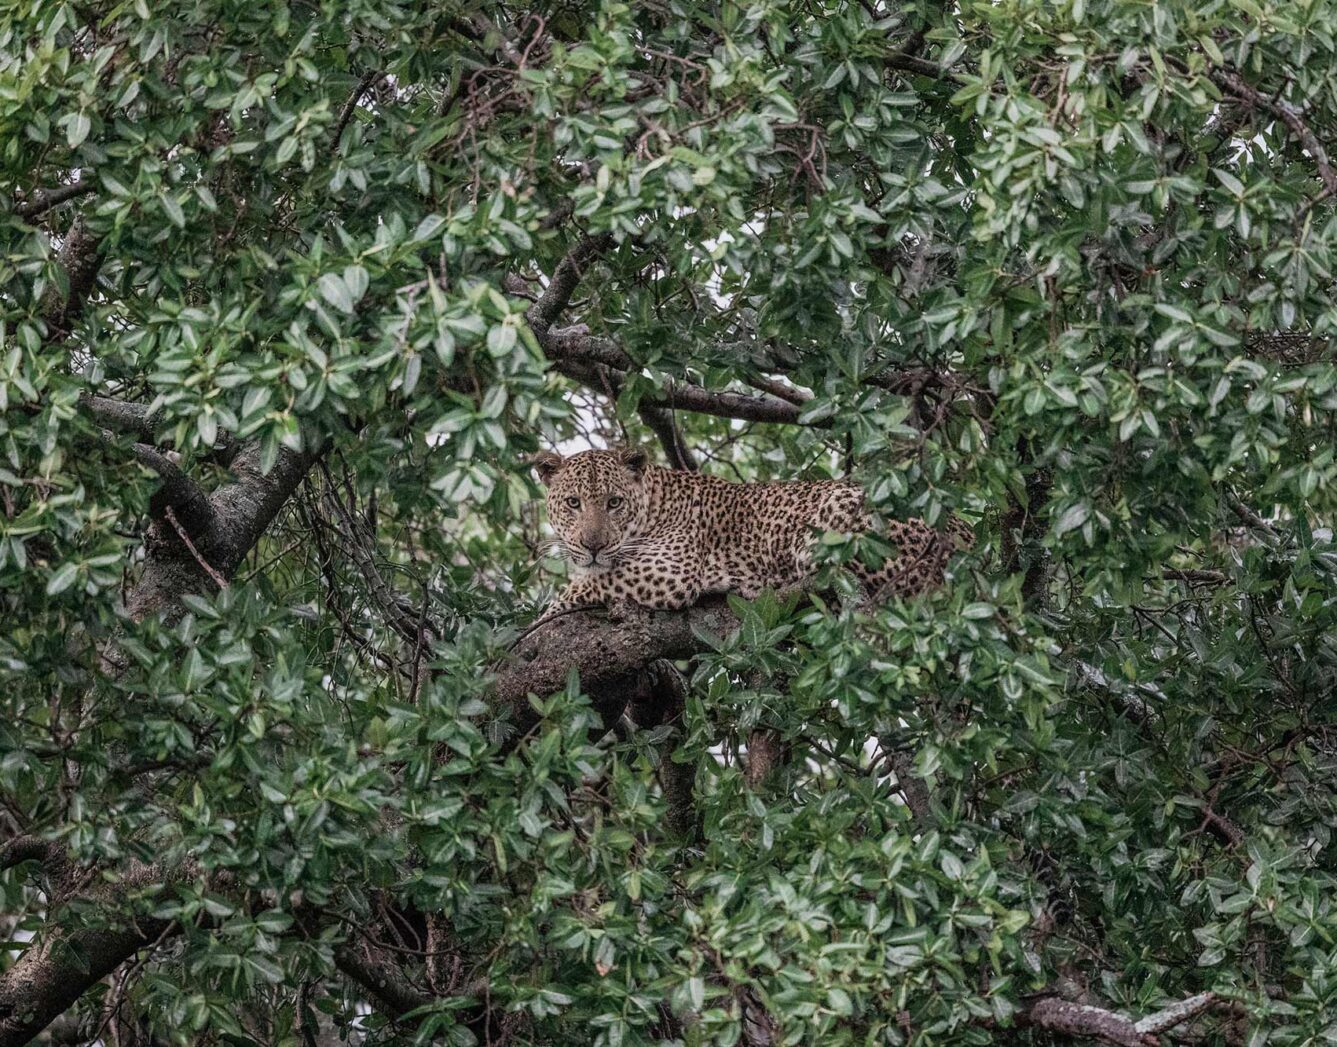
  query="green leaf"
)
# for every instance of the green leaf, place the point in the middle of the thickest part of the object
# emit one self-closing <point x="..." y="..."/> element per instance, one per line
<point x="333" y="289"/>
<point x="76" y="129"/>
<point x="62" y="579"/>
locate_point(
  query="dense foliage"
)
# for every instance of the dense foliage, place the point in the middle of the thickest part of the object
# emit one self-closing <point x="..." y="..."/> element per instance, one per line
<point x="289" y="290"/>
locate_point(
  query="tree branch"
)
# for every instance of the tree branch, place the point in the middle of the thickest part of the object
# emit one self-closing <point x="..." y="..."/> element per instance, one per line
<point x="1079" y="1019"/>
<point x="577" y="355"/>
<point x="177" y="493"/>
<point x="44" y="200"/>
<point x="555" y="297"/>
<point x="48" y="977"/>
<point x="575" y="350"/>
<point x="25" y="849"/>
<point x="80" y="258"/>
<point x="350" y="107"/>
<point x="1289" y="115"/>
<point x="682" y="396"/>
<point x="1177" y="1013"/>
<point x="661" y="422"/>
<point x="241" y="512"/>
<point x="120" y="416"/>
<point x="247" y="507"/>
<point x="921" y="67"/>
<point x="137" y="421"/>
<point x="603" y="651"/>
<point x="381" y="978"/>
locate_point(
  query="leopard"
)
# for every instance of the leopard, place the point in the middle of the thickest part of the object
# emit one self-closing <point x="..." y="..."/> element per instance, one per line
<point x="635" y="533"/>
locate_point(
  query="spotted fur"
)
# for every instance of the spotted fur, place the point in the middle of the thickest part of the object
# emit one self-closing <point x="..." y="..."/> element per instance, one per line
<point x="661" y="538"/>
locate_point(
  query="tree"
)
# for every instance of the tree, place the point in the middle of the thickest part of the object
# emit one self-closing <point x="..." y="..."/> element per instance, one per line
<point x="288" y="293"/>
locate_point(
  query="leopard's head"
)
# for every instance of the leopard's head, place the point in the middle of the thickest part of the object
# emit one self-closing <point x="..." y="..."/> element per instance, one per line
<point x="597" y="504"/>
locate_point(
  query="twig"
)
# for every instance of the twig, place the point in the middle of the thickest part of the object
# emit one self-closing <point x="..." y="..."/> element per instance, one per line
<point x="218" y="579"/>
<point x="392" y="605"/>
<point x="117" y="997"/>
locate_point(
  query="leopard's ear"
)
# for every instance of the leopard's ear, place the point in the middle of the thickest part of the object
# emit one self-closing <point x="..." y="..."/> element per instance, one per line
<point x="546" y="463"/>
<point x="635" y="460"/>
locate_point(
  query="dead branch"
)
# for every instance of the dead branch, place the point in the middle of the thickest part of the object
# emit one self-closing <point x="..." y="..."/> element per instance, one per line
<point x="1058" y="1015"/>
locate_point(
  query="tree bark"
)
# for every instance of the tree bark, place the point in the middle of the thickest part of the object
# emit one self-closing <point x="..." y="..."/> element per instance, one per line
<point x="604" y="651"/>
<point x="51" y="976"/>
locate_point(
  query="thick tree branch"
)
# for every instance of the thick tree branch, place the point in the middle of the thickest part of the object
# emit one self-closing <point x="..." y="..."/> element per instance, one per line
<point x="241" y="512"/>
<point x="54" y="971"/>
<point x="130" y="419"/>
<point x="682" y="396"/>
<point x="575" y="343"/>
<point x="45" y="199"/>
<point x="50" y="976"/>
<point x="177" y="493"/>
<point x="25" y="849"/>
<point x="605" y="653"/>
<point x="80" y="258"/>
<point x="1177" y="1013"/>
<point x="247" y="507"/>
<point x="780" y="390"/>
<point x="578" y="354"/>
<point x="380" y="977"/>
<point x="138" y="422"/>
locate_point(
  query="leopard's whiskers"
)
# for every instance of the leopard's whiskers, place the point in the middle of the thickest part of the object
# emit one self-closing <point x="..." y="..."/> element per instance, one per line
<point x="553" y="547"/>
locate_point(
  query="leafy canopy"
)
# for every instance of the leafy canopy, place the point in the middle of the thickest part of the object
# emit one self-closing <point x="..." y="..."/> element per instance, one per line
<point x="289" y="290"/>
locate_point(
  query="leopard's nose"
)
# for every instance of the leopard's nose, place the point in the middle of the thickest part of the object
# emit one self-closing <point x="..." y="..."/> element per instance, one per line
<point x="593" y="545"/>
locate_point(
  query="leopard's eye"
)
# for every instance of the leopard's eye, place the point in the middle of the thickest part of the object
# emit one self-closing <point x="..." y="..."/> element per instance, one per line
<point x="614" y="502"/>
<point x="574" y="502"/>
